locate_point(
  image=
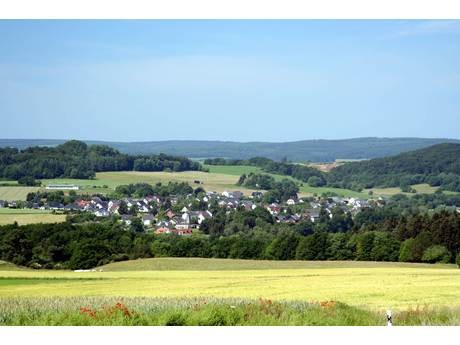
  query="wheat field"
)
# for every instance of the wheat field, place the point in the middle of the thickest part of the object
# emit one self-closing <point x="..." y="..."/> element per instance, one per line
<point x="371" y="285"/>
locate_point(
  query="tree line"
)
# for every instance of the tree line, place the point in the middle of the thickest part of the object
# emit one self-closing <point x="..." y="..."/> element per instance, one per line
<point x="278" y="191"/>
<point x="380" y="234"/>
<point x="75" y="159"/>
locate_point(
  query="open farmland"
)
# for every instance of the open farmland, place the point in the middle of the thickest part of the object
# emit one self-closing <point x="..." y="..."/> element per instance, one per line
<point x="219" y="178"/>
<point x="28" y="216"/>
<point x="210" y="181"/>
<point x="369" y="285"/>
<point x="15" y="193"/>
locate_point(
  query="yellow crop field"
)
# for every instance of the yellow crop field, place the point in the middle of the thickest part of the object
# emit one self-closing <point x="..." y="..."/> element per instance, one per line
<point x="364" y="284"/>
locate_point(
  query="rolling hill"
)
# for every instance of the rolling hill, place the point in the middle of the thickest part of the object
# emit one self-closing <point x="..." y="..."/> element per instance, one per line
<point x="437" y="165"/>
<point x="305" y="150"/>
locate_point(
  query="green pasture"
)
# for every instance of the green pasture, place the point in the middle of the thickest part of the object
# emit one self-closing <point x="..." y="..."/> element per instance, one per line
<point x="15" y="193"/>
<point x="28" y="216"/>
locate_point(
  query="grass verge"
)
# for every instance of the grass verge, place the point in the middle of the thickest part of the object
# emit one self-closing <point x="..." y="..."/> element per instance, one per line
<point x="138" y="311"/>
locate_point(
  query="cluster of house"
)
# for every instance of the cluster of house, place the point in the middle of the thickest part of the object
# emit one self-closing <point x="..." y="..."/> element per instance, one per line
<point x="181" y="224"/>
<point x="311" y="209"/>
<point x="185" y="221"/>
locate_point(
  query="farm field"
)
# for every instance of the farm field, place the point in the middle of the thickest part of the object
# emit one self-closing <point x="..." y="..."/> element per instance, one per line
<point x="373" y="286"/>
<point x="237" y="170"/>
<point x="15" y="193"/>
<point x="28" y="216"/>
<point x="219" y="179"/>
<point x="211" y="181"/>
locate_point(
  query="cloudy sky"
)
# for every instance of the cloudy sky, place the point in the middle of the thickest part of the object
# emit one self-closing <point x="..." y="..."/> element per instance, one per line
<point x="229" y="80"/>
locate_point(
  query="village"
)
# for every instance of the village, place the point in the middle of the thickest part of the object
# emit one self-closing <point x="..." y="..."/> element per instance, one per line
<point x="183" y="214"/>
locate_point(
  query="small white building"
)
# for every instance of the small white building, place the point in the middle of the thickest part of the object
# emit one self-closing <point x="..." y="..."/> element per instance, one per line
<point x="147" y="219"/>
<point x="62" y="187"/>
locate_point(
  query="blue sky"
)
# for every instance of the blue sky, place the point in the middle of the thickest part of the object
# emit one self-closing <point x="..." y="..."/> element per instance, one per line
<point x="229" y="80"/>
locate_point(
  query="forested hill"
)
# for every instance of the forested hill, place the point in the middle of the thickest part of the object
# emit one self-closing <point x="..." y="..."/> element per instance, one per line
<point x="75" y="159"/>
<point x="297" y="151"/>
<point x="438" y="165"/>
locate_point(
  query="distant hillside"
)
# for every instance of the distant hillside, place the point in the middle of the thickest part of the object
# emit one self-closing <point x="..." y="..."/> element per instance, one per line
<point x="438" y="165"/>
<point x="305" y="150"/>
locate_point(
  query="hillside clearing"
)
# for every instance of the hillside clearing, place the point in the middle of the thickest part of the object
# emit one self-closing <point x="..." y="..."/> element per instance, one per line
<point x="422" y="188"/>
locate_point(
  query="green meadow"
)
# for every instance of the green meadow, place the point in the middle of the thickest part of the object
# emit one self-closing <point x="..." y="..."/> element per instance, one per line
<point x="15" y="193"/>
<point x="28" y="216"/>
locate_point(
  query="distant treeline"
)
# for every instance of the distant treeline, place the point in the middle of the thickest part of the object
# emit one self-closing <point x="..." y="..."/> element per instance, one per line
<point x="400" y="231"/>
<point x="438" y="165"/>
<point x="75" y="159"/>
<point x="305" y="150"/>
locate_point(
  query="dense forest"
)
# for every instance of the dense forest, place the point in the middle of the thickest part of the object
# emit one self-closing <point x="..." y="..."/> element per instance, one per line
<point x="298" y="151"/>
<point x="438" y="165"/>
<point x="403" y="230"/>
<point x="75" y="159"/>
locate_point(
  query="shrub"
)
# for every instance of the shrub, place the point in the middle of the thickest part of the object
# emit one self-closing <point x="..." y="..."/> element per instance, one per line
<point x="435" y="254"/>
<point x="315" y="181"/>
<point x="405" y="252"/>
<point x="89" y="254"/>
<point x="458" y="260"/>
<point x="176" y="319"/>
<point x="28" y="181"/>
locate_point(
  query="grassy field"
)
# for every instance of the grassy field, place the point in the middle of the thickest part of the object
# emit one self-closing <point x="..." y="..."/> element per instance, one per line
<point x="422" y="188"/>
<point x="28" y="216"/>
<point x="374" y="286"/>
<point x="15" y="193"/>
<point x="237" y="170"/>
